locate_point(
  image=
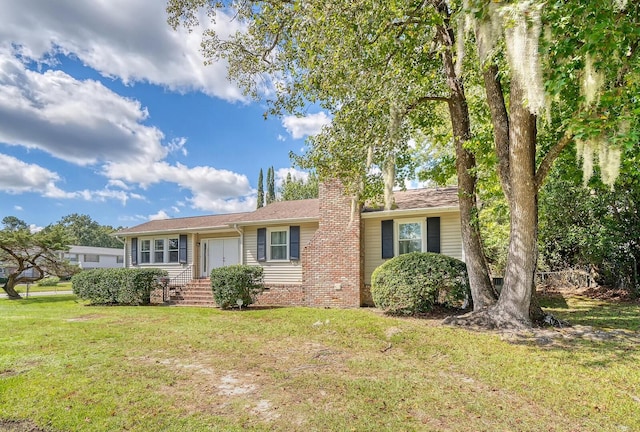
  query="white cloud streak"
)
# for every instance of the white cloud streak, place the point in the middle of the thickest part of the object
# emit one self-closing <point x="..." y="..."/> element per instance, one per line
<point x="125" y="39"/>
<point x="299" y="127"/>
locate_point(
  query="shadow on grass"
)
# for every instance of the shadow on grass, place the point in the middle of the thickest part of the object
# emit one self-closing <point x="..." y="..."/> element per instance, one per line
<point x="60" y="298"/>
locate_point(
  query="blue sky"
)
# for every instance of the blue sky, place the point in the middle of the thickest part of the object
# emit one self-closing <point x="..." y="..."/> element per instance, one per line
<point x="106" y="111"/>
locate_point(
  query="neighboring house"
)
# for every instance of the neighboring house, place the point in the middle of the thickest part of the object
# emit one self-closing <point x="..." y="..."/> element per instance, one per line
<point x="90" y="257"/>
<point x="315" y="252"/>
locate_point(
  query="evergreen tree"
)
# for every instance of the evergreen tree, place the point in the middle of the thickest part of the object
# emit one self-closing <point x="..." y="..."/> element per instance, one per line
<point x="271" y="186"/>
<point x="260" y="190"/>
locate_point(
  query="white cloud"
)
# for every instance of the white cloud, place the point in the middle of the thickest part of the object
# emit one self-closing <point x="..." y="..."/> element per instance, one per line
<point x="281" y="137"/>
<point x="281" y="175"/>
<point x="81" y="122"/>
<point x="213" y="189"/>
<point x="17" y="208"/>
<point x="85" y="123"/>
<point x="159" y="216"/>
<point x="299" y="127"/>
<point x="33" y="228"/>
<point x="125" y="39"/>
<point x="18" y="177"/>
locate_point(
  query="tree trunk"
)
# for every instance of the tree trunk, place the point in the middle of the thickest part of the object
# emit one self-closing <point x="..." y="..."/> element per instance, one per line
<point x="515" y="299"/>
<point x="9" y="288"/>
<point x="482" y="290"/>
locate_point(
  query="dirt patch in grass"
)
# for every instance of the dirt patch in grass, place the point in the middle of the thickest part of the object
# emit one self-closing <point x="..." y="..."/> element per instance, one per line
<point x="19" y="426"/>
<point x="569" y="336"/>
<point x="597" y="293"/>
<point x="83" y="318"/>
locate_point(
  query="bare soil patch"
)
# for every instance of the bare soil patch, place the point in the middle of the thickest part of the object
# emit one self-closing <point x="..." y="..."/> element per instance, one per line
<point x="19" y="426"/>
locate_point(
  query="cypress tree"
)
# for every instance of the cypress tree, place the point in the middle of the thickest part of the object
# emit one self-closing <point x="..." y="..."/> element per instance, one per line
<point x="260" y="190"/>
<point x="271" y="186"/>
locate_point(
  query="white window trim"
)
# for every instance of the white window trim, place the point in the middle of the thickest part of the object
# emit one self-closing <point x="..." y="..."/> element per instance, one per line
<point x="152" y="251"/>
<point x="278" y="229"/>
<point x="396" y="234"/>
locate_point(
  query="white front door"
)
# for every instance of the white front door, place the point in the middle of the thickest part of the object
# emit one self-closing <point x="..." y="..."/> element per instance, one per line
<point x="220" y="253"/>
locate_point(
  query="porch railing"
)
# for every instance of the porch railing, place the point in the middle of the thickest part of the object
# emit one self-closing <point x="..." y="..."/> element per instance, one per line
<point x="175" y="283"/>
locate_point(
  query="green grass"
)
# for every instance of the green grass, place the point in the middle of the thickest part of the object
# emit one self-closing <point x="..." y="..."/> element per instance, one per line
<point x="69" y="367"/>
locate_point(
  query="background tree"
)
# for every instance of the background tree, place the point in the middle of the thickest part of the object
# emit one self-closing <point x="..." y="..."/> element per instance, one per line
<point x="84" y="231"/>
<point x="297" y="189"/>
<point x="271" y="186"/>
<point x="260" y="190"/>
<point x="28" y="257"/>
<point x="592" y="226"/>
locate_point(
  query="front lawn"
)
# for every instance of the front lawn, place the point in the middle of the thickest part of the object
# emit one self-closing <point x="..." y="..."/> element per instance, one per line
<point x="65" y="366"/>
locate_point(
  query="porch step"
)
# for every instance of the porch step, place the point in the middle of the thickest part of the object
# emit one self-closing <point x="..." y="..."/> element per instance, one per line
<point x="195" y="293"/>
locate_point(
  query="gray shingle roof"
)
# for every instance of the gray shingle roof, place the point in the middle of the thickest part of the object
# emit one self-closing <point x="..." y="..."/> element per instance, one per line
<point x="422" y="199"/>
<point x="292" y="211"/>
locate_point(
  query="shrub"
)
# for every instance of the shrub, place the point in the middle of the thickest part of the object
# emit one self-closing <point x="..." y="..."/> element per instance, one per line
<point x="416" y="282"/>
<point x="236" y="282"/>
<point x="49" y="281"/>
<point x="123" y="286"/>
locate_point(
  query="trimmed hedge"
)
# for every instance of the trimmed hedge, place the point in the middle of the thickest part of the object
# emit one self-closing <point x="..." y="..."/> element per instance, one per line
<point x="237" y="282"/>
<point x="124" y="286"/>
<point x="49" y="281"/>
<point x="416" y="282"/>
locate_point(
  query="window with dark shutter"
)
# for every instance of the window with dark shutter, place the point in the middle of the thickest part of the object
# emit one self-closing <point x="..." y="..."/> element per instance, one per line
<point x="294" y="242"/>
<point x="262" y="244"/>
<point x="182" y="249"/>
<point x="433" y="234"/>
<point x="134" y="251"/>
<point x="387" y="239"/>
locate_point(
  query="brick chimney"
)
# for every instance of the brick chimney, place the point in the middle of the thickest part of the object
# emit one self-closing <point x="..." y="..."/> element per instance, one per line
<point x="332" y="262"/>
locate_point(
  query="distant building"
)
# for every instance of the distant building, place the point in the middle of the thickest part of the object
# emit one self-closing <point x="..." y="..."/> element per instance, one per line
<point x="90" y="257"/>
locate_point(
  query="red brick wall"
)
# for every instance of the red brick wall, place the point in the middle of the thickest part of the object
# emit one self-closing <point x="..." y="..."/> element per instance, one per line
<point x="290" y="295"/>
<point x="332" y="262"/>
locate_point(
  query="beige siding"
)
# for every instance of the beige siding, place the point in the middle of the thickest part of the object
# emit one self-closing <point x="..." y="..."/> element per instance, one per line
<point x="450" y="239"/>
<point x="173" y="269"/>
<point x="289" y="272"/>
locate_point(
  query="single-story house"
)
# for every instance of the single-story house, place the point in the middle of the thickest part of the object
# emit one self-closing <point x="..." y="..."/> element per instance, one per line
<point x="315" y="252"/>
<point x="91" y="257"/>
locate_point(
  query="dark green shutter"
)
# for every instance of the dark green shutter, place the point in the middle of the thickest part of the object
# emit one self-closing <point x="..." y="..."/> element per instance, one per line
<point x="294" y="242"/>
<point x="182" y="249"/>
<point x="433" y="234"/>
<point x="387" y="239"/>
<point x="262" y="244"/>
<point x="134" y="251"/>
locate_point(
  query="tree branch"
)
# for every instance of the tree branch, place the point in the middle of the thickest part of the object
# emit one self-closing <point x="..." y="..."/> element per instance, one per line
<point x="500" y="121"/>
<point x="550" y="157"/>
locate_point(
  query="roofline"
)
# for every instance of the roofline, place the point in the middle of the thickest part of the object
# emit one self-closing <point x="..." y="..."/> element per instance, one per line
<point x="181" y="230"/>
<point x="408" y="212"/>
<point x="276" y="221"/>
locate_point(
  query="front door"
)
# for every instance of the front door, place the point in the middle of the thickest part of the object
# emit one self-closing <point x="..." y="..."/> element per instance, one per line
<point x="220" y="253"/>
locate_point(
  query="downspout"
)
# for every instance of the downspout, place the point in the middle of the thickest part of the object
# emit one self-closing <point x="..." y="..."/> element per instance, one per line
<point x="241" y="232"/>
<point x="124" y="250"/>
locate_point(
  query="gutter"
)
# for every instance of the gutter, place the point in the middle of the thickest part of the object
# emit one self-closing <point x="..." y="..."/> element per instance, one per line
<point x="124" y="250"/>
<point x="408" y="212"/>
<point x="241" y="232"/>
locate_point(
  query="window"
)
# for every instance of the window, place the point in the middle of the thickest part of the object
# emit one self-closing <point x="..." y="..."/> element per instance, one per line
<point x="158" y="251"/>
<point x="409" y="237"/>
<point x="71" y="257"/>
<point x="172" y="249"/>
<point x="278" y="245"/>
<point x="91" y="258"/>
<point x="145" y="251"/>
